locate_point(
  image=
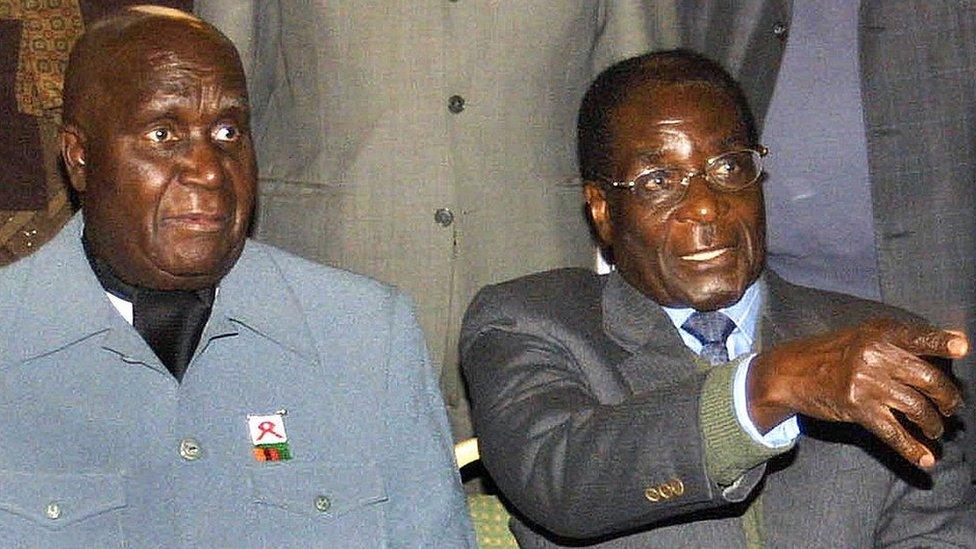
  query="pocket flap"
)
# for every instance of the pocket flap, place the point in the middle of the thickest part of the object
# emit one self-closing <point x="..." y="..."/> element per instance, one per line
<point x="59" y="500"/>
<point x="317" y="490"/>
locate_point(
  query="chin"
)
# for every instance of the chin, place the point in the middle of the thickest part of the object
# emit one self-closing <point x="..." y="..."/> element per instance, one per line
<point x="714" y="293"/>
<point x="197" y="268"/>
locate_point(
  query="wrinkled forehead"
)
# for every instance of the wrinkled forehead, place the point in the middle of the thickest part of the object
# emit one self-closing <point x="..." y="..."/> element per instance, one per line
<point x="656" y="116"/>
<point x="147" y="72"/>
<point x="702" y="102"/>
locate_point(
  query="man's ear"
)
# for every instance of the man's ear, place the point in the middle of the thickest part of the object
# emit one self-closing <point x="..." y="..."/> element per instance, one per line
<point x="73" y="149"/>
<point x="599" y="210"/>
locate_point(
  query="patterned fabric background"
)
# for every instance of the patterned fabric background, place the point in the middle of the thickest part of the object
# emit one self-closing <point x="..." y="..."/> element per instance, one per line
<point x="35" y="39"/>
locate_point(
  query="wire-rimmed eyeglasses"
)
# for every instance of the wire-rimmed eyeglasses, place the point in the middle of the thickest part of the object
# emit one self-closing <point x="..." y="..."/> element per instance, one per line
<point x="730" y="171"/>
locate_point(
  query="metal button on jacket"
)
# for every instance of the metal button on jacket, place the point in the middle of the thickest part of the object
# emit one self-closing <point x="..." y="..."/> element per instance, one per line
<point x="455" y="104"/>
<point x="444" y="217"/>
<point x="780" y="29"/>
<point x="322" y="503"/>
<point x="189" y="449"/>
<point x="52" y="511"/>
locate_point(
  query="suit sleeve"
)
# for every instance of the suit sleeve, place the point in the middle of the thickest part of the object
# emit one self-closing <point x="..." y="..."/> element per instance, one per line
<point x="942" y="514"/>
<point x="572" y="459"/>
<point x="427" y="507"/>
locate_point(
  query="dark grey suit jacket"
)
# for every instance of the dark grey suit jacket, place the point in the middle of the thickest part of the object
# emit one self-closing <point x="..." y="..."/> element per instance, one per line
<point x="584" y="395"/>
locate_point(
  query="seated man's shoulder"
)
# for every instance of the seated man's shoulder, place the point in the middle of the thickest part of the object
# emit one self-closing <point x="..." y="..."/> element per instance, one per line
<point x="836" y="309"/>
<point x="560" y="295"/>
<point x="545" y="288"/>
<point x="44" y="270"/>
<point x="14" y="275"/>
<point x="321" y="287"/>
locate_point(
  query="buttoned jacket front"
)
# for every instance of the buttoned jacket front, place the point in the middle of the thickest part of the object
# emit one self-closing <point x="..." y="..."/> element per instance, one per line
<point x="98" y="433"/>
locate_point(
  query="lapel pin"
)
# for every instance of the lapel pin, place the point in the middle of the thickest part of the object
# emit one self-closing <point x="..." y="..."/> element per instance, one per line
<point x="269" y="437"/>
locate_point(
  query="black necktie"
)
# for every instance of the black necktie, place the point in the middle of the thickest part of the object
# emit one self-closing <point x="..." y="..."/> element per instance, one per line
<point x="712" y="329"/>
<point x="170" y="321"/>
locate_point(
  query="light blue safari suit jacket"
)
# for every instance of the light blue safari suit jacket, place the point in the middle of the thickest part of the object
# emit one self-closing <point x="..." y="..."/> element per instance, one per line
<point x="92" y="424"/>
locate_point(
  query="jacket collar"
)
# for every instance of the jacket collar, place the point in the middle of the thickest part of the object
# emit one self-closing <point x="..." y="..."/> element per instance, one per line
<point x="58" y="299"/>
<point x="633" y="320"/>
<point x="637" y="323"/>
<point x="59" y="284"/>
<point x="256" y="296"/>
<point x="786" y="315"/>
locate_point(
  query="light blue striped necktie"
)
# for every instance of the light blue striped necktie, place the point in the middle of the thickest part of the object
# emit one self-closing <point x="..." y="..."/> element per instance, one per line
<point x="712" y="329"/>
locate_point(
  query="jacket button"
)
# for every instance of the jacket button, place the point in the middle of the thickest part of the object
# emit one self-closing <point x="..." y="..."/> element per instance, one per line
<point x="189" y="449"/>
<point x="52" y="511"/>
<point x="322" y="504"/>
<point x="780" y="29"/>
<point x="455" y="104"/>
<point x="443" y="217"/>
<point x="652" y="494"/>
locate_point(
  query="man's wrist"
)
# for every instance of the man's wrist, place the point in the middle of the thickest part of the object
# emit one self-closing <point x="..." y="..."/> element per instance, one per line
<point x="764" y="399"/>
<point x="729" y="450"/>
<point x="782" y="435"/>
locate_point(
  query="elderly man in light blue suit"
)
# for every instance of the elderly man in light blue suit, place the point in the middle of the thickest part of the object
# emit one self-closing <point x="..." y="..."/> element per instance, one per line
<point x="164" y="381"/>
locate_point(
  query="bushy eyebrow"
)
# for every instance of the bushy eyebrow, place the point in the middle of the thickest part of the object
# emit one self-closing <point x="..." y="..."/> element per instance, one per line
<point x="656" y="157"/>
<point x="734" y="141"/>
<point x="170" y="97"/>
<point x="163" y="105"/>
<point x="649" y="157"/>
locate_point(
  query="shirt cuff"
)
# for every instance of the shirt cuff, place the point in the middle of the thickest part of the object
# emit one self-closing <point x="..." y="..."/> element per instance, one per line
<point x="781" y="436"/>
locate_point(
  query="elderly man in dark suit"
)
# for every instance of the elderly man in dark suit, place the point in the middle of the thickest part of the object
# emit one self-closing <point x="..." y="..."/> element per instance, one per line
<point x="608" y="408"/>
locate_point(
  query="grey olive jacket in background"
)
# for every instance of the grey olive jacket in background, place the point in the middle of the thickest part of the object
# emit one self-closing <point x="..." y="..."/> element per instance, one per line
<point x="91" y="423"/>
<point x="359" y="148"/>
<point x="584" y="397"/>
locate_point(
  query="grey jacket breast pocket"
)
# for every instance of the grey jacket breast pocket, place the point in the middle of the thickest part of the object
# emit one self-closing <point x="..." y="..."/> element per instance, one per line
<point x="61" y="510"/>
<point x="315" y="505"/>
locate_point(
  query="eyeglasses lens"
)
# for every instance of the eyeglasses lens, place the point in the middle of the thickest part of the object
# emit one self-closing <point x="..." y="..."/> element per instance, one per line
<point x="734" y="170"/>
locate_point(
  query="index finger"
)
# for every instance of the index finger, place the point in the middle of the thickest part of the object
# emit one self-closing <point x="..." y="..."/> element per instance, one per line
<point x="922" y="340"/>
<point x="928" y="378"/>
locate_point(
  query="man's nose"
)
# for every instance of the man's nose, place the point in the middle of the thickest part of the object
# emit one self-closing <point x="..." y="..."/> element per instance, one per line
<point x="701" y="203"/>
<point x="202" y="165"/>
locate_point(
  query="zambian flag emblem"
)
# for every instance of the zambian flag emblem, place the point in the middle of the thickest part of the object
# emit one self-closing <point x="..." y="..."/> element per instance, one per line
<point x="272" y="452"/>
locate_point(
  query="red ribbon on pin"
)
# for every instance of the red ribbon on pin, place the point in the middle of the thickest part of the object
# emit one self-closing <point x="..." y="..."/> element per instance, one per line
<point x="267" y="427"/>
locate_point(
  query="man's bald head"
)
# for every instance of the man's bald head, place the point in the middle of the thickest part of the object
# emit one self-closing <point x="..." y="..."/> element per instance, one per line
<point x="111" y="48"/>
<point x="156" y="141"/>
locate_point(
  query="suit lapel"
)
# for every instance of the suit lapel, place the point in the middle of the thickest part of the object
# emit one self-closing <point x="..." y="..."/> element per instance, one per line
<point x="641" y="327"/>
<point x="658" y="355"/>
<point x="785" y="314"/>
